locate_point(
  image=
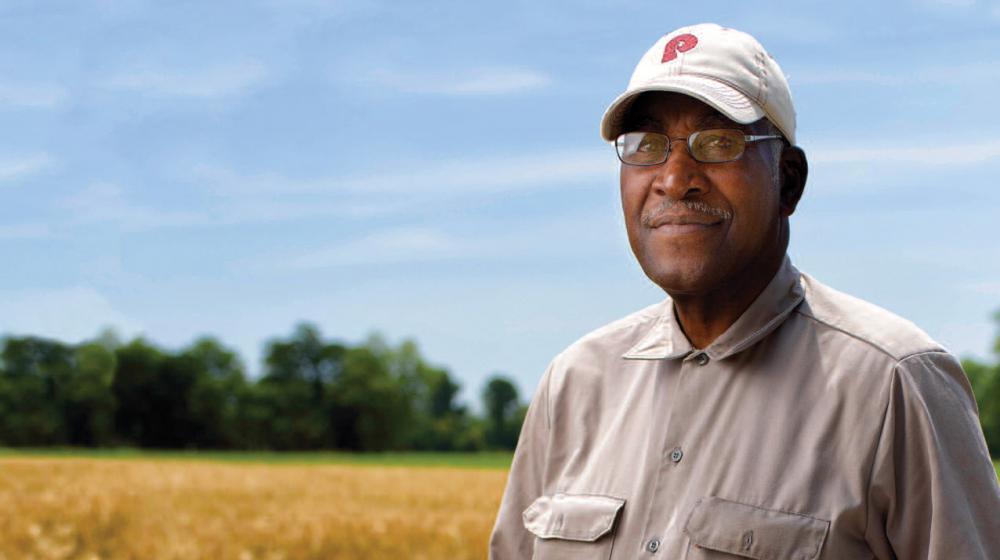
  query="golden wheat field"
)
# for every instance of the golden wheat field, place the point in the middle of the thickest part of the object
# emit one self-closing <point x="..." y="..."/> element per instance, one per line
<point x="151" y="509"/>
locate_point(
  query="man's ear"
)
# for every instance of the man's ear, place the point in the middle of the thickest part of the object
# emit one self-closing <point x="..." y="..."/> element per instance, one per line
<point x="794" y="169"/>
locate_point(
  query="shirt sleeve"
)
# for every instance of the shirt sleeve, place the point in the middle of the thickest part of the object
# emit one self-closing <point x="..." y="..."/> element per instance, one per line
<point x="933" y="492"/>
<point x="510" y="540"/>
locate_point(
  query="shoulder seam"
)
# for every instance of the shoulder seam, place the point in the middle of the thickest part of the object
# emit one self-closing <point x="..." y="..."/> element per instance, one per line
<point x="921" y="353"/>
<point x="848" y="333"/>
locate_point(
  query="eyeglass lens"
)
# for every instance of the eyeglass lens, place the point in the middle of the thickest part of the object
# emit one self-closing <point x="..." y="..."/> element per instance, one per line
<point x="708" y="146"/>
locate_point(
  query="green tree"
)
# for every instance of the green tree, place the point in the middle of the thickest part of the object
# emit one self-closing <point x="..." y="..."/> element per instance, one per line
<point x="503" y="412"/>
<point x="31" y="403"/>
<point x="985" y="380"/>
<point x="293" y="400"/>
<point x="373" y="398"/>
<point x="88" y="402"/>
<point x="437" y="421"/>
<point x="214" y="398"/>
<point x="152" y="389"/>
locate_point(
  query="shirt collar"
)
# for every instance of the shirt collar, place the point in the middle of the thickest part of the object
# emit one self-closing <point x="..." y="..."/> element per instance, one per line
<point x="666" y="340"/>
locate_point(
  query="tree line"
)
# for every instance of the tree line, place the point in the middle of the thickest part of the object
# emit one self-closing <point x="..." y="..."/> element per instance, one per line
<point x="312" y="393"/>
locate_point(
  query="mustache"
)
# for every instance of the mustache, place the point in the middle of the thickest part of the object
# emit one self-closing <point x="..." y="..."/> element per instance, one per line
<point x="657" y="212"/>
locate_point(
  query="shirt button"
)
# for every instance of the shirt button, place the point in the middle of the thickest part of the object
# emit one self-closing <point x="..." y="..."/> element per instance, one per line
<point x="747" y="540"/>
<point x="653" y="545"/>
<point x="702" y="359"/>
<point x="676" y="454"/>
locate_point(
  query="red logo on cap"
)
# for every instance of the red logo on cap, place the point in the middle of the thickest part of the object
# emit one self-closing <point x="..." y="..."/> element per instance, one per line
<point x="680" y="43"/>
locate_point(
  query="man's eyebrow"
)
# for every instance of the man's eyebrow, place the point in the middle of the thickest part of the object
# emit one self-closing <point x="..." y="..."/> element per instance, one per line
<point x="644" y="122"/>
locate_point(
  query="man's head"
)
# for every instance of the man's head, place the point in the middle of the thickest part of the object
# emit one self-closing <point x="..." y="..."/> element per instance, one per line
<point x="696" y="223"/>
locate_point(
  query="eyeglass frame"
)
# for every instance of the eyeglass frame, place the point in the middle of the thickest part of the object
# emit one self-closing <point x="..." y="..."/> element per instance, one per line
<point x="747" y="139"/>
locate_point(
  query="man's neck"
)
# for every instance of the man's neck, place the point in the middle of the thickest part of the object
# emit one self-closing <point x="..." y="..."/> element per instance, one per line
<point x="705" y="316"/>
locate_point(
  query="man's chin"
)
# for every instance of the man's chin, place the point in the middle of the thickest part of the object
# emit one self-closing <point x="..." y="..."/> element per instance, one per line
<point x="691" y="279"/>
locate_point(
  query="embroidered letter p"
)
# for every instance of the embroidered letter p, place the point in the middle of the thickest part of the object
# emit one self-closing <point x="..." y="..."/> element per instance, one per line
<point x="680" y="43"/>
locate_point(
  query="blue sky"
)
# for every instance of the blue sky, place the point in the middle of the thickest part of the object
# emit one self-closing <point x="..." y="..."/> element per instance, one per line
<point x="435" y="170"/>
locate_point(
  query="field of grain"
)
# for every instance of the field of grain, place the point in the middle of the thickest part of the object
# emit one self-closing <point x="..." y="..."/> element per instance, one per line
<point x="247" y="506"/>
<point x="148" y="509"/>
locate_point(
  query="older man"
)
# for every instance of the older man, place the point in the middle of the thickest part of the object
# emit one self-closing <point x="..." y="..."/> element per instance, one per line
<point x="756" y="412"/>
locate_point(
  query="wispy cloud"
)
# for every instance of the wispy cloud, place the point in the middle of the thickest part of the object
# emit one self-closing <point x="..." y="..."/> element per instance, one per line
<point x="972" y="72"/>
<point x="948" y="3"/>
<point x="401" y="245"/>
<point x="791" y="28"/>
<point x="544" y="170"/>
<point x="209" y="82"/>
<point x="480" y="81"/>
<point x="31" y="95"/>
<point x="72" y="313"/>
<point x="107" y="203"/>
<point x="929" y="155"/>
<point x="558" y="236"/>
<point x="984" y="288"/>
<point x="110" y="204"/>
<point x="25" y="231"/>
<point x="550" y="169"/>
<point x="12" y="169"/>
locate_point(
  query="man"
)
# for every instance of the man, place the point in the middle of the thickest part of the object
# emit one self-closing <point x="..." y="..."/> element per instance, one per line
<point x="755" y="413"/>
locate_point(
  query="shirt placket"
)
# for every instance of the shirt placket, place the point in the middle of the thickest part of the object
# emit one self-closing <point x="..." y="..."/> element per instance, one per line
<point x="663" y="535"/>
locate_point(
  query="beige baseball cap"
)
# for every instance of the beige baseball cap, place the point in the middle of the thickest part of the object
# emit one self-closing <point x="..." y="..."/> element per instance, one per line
<point x="725" y="68"/>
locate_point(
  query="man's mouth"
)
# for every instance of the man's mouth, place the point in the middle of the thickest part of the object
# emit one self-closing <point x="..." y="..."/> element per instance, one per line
<point x="683" y="216"/>
<point x="675" y="220"/>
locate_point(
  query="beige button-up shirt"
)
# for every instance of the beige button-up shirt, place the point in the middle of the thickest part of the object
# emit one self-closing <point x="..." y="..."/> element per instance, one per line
<point x="818" y="426"/>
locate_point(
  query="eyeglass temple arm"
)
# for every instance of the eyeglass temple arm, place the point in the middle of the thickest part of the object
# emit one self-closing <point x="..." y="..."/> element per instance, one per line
<point x="752" y="138"/>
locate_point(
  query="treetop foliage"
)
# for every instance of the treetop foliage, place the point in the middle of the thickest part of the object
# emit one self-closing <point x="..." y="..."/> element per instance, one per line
<point x="313" y="394"/>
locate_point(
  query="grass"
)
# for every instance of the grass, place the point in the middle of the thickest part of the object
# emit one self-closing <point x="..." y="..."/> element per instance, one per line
<point x="484" y="460"/>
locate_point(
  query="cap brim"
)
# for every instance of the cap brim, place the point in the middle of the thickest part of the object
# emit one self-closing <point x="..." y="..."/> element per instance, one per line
<point x="727" y="100"/>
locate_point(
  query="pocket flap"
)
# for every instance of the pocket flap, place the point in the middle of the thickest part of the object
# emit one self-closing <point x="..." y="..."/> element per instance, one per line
<point x="753" y="532"/>
<point x="575" y="517"/>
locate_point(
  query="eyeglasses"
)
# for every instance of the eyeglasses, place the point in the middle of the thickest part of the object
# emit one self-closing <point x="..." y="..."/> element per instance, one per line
<point x="707" y="146"/>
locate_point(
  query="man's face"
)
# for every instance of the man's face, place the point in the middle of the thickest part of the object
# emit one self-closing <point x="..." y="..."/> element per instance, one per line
<point x="696" y="226"/>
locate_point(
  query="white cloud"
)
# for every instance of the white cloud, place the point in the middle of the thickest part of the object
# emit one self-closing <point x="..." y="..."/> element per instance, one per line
<point x="557" y="236"/>
<point x="524" y="172"/>
<point x="232" y="198"/>
<point x="31" y="95"/>
<point x="210" y="82"/>
<point x="545" y="170"/>
<point x="482" y="81"/>
<point x="17" y="168"/>
<point x="70" y="314"/>
<point x="400" y="245"/>
<point x="271" y="209"/>
<point x="25" y="231"/>
<point x="107" y="203"/>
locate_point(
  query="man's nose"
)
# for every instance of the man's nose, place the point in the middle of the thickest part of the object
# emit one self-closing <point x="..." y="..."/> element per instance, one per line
<point x="681" y="175"/>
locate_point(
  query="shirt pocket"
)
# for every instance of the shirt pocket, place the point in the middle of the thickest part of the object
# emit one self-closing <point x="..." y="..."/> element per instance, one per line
<point x="718" y="529"/>
<point x="573" y="526"/>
